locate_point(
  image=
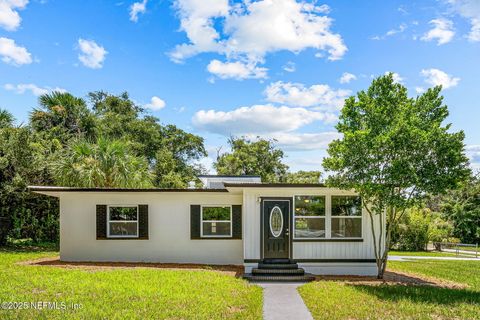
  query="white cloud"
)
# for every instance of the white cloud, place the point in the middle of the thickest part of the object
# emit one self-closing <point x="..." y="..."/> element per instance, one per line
<point x="442" y="31"/>
<point x="236" y="70"/>
<point x="21" y="88"/>
<point x="419" y="90"/>
<point x="137" y="8"/>
<point x="473" y="152"/>
<point x="13" y="54"/>
<point x="290" y="141"/>
<point x="9" y="17"/>
<point x="347" y="77"/>
<point x="92" y="55"/>
<point x="436" y="77"/>
<point x="155" y="104"/>
<point x="257" y="119"/>
<point x="401" y="28"/>
<point x="296" y="94"/>
<point x="396" y="77"/>
<point x="289" y="66"/>
<point x="469" y="9"/>
<point x="249" y="30"/>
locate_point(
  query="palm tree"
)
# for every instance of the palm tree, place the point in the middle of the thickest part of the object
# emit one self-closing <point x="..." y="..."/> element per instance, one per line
<point x="63" y="115"/>
<point x="6" y="119"/>
<point x="106" y="163"/>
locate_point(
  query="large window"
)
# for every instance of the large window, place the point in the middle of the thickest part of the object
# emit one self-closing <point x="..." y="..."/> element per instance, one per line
<point x="346" y="217"/>
<point x="309" y="217"/>
<point x="216" y="221"/>
<point x="122" y="221"/>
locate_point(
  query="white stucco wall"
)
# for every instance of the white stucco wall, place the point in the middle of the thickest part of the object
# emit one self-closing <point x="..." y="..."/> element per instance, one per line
<point x="169" y="229"/>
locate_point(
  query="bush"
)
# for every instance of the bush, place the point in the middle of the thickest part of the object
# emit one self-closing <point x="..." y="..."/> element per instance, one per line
<point x="419" y="227"/>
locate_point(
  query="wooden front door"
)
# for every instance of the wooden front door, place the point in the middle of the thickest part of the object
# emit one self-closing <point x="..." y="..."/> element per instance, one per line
<point x="276" y="228"/>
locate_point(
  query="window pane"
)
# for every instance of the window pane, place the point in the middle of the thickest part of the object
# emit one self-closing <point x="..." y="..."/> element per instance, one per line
<point x="123" y="213"/>
<point x="309" y="227"/>
<point x="346" y="227"/>
<point x="123" y="229"/>
<point x="346" y="206"/>
<point x="309" y="206"/>
<point x="216" y="228"/>
<point x="216" y="213"/>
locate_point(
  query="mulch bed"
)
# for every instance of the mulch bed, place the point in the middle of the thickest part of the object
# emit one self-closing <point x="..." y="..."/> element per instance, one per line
<point x="390" y="278"/>
<point x="233" y="270"/>
<point x="394" y="278"/>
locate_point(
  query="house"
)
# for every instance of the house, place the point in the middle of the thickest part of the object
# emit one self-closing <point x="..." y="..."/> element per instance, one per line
<point x="231" y="220"/>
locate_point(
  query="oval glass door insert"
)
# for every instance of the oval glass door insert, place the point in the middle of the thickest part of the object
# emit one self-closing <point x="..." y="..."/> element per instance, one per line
<point x="276" y="221"/>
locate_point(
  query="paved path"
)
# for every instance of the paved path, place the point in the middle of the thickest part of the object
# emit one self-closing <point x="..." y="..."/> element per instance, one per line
<point x="281" y="301"/>
<point x="406" y="258"/>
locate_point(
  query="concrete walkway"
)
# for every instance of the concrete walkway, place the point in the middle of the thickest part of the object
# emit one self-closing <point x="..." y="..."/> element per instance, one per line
<point x="282" y="301"/>
<point x="406" y="258"/>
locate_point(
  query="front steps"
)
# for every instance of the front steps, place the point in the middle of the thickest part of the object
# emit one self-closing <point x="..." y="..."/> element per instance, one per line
<point x="278" y="270"/>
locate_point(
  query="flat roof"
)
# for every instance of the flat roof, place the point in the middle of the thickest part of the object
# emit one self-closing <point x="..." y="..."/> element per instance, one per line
<point x="273" y="185"/>
<point x="227" y="176"/>
<point x="74" y="189"/>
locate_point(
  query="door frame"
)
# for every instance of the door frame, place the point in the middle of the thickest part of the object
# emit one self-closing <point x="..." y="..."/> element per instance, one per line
<point x="290" y="221"/>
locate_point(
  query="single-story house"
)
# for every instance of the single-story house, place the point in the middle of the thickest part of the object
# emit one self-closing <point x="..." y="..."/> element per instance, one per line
<point x="230" y="220"/>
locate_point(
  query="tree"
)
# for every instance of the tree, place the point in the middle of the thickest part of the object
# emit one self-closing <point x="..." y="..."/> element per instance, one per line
<point x="247" y="157"/>
<point x="106" y="163"/>
<point x="394" y="151"/>
<point x="62" y="116"/>
<point x="169" y="150"/>
<point x="6" y="119"/>
<point x="461" y="206"/>
<point x="303" y="177"/>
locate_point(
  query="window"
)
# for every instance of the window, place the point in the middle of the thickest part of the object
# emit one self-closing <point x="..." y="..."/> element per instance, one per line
<point x="122" y="221"/>
<point x="309" y="217"/>
<point x="216" y="221"/>
<point x="346" y="217"/>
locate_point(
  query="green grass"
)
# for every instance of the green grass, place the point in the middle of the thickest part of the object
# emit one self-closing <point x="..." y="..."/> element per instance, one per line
<point x="421" y="253"/>
<point x="339" y="300"/>
<point x="124" y="293"/>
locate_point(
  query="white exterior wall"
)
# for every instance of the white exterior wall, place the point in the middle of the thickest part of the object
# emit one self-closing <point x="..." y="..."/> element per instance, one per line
<point x="304" y="250"/>
<point x="169" y="229"/>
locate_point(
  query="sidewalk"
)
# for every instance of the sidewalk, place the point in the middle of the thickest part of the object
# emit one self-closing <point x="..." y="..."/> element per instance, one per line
<point x="281" y="301"/>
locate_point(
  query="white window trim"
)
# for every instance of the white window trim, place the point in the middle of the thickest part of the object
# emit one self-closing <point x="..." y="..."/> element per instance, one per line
<point x="353" y="217"/>
<point x="202" y="221"/>
<point x="129" y="221"/>
<point x="309" y="217"/>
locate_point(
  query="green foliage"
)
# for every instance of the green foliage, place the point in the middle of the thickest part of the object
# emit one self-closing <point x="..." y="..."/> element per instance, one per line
<point x="462" y="207"/>
<point x="248" y="157"/>
<point x="62" y="116"/>
<point x="303" y="177"/>
<point x="413" y="231"/>
<point x="6" y="119"/>
<point x="105" y="163"/>
<point x="23" y="161"/>
<point x="394" y="151"/>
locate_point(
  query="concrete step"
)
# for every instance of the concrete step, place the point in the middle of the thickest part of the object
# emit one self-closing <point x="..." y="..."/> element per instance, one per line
<point x="298" y="271"/>
<point x="279" y="278"/>
<point x="262" y="265"/>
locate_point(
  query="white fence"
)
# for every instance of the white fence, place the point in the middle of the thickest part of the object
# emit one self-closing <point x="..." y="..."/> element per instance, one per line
<point x="463" y="249"/>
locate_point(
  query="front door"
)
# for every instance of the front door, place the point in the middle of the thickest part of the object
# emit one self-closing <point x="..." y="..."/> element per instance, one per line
<point x="276" y="222"/>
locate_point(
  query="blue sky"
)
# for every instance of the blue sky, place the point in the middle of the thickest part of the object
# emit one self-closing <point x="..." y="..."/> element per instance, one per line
<point x="272" y="68"/>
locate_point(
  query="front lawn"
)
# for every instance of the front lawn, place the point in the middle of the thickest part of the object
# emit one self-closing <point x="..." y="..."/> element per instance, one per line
<point x="421" y="253"/>
<point x="124" y="293"/>
<point x="341" y="300"/>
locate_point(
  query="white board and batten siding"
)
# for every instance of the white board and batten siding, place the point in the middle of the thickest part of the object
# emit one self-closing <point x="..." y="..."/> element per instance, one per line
<point x="169" y="229"/>
<point x="325" y="250"/>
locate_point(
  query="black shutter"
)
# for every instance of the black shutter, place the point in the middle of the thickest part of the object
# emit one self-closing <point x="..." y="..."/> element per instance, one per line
<point x="195" y="221"/>
<point x="237" y="222"/>
<point x="143" y="221"/>
<point x="101" y="221"/>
